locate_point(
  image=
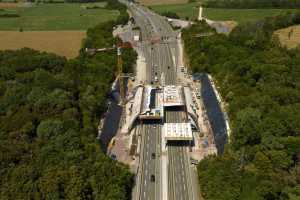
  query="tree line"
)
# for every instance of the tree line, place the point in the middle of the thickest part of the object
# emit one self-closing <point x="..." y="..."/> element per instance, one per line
<point x="260" y="81"/>
<point x="252" y="3"/>
<point x="49" y="112"/>
<point x="170" y="14"/>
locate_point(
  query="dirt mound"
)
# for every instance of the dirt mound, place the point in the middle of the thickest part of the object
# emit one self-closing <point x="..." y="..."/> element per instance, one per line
<point x="289" y="37"/>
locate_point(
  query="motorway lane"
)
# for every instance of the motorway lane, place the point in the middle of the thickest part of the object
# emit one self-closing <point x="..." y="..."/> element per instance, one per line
<point x="158" y="164"/>
<point x="150" y="190"/>
<point x="146" y="32"/>
<point x="153" y="26"/>
<point x="151" y="135"/>
<point x="179" y="186"/>
<point x="178" y="171"/>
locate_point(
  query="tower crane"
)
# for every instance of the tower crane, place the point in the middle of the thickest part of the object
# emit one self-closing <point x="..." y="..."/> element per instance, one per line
<point x="119" y="74"/>
<point x="121" y="45"/>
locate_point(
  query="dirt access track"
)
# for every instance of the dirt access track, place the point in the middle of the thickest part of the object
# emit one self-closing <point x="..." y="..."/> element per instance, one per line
<point x="161" y="2"/>
<point x="63" y="43"/>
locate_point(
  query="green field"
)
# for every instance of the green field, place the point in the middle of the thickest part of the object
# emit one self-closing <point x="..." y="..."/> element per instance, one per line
<point x="63" y="16"/>
<point x="240" y="15"/>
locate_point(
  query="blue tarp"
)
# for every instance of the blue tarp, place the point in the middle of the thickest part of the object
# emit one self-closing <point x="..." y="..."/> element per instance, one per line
<point x="214" y="113"/>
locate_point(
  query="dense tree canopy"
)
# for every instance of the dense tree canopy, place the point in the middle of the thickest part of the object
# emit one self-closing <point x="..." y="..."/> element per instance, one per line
<point x="170" y="14"/>
<point x="49" y="110"/>
<point x="260" y="81"/>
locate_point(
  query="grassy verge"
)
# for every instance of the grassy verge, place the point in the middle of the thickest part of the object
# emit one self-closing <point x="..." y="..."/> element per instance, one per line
<point x="190" y="10"/>
<point x="242" y="15"/>
<point x="67" y="16"/>
<point x="183" y="10"/>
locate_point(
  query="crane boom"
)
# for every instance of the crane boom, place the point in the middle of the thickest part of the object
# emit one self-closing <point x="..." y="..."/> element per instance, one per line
<point x="119" y="74"/>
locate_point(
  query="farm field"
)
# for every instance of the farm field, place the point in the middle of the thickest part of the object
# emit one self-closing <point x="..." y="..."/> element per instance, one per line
<point x="161" y="2"/>
<point x="242" y="15"/>
<point x="9" y="5"/>
<point x="62" y="16"/>
<point x="289" y="37"/>
<point x="64" y="43"/>
<point x="190" y="10"/>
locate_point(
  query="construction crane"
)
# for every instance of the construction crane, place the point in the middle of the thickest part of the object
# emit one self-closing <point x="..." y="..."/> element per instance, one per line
<point x="121" y="45"/>
<point x="119" y="74"/>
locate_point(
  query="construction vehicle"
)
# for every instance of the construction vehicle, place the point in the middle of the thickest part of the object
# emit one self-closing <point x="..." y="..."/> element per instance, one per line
<point x="111" y="145"/>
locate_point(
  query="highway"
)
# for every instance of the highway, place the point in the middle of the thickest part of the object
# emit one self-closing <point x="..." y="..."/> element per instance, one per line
<point x="157" y="51"/>
<point x="161" y="59"/>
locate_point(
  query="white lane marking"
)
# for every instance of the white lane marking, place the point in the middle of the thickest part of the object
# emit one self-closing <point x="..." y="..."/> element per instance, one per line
<point x="145" y="182"/>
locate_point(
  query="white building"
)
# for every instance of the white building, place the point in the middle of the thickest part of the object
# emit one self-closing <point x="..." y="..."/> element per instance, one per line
<point x="177" y="131"/>
<point x="151" y="107"/>
<point x="200" y="18"/>
<point x="172" y="96"/>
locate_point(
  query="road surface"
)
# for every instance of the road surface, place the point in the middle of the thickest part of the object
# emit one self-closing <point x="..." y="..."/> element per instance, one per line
<point x="160" y="51"/>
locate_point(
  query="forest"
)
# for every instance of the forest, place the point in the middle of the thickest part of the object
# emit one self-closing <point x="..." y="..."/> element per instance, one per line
<point x="252" y="3"/>
<point x="260" y="82"/>
<point x="49" y="112"/>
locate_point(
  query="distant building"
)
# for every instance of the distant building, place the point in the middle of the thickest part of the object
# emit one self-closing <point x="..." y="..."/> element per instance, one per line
<point x="177" y="131"/>
<point x="200" y="18"/>
<point x="136" y="34"/>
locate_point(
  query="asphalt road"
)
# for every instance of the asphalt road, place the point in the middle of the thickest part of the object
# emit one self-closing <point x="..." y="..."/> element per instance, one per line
<point x="150" y="162"/>
<point x="179" y="184"/>
<point x="158" y="43"/>
<point x="160" y="51"/>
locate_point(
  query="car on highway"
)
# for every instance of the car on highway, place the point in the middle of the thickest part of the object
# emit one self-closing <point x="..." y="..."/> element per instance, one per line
<point x="194" y="128"/>
<point x="194" y="162"/>
<point x="152" y="178"/>
<point x="113" y="156"/>
<point x="153" y="155"/>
